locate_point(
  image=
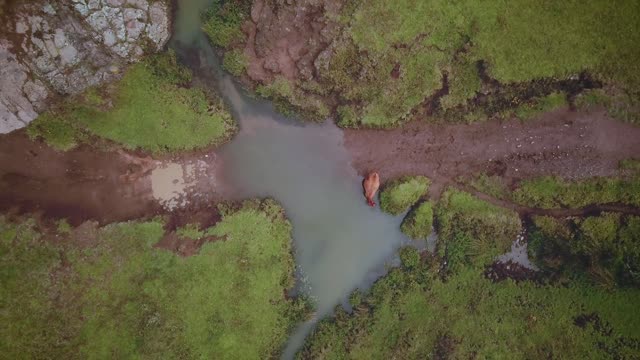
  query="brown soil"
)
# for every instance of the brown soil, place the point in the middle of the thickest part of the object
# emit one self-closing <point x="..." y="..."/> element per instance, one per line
<point x="80" y="184"/>
<point x="564" y="143"/>
<point x="87" y="183"/>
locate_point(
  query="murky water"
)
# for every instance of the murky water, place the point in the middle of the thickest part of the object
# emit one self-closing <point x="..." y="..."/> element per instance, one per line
<point x="340" y="242"/>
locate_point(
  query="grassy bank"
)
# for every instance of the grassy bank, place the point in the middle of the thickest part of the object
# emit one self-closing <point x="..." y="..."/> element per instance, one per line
<point x="443" y="306"/>
<point x="412" y="314"/>
<point x="91" y="292"/>
<point x="468" y="62"/>
<point x="151" y="108"/>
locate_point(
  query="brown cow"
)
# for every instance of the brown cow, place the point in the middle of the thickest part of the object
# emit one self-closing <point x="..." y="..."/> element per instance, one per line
<point x="371" y="184"/>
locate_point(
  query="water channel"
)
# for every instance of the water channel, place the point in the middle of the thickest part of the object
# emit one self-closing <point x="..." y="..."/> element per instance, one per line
<point x="340" y="242"/>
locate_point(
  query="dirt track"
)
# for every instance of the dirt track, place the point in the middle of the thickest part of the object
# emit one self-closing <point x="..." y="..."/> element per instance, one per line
<point x="564" y="143"/>
<point x="114" y="186"/>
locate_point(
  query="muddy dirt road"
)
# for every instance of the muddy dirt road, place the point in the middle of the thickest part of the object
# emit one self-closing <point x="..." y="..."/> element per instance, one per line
<point x="564" y="143"/>
<point x="108" y="186"/>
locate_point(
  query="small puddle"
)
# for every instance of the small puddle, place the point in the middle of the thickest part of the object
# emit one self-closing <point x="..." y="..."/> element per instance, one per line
<point x="175" y="185"/>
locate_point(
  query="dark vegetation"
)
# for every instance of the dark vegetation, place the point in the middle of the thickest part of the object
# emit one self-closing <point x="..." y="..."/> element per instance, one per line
<point x="152" y="108"/>
<point x="470" y="61"/>
<point x="90" y="292"/>
<point x="605" y="248"/>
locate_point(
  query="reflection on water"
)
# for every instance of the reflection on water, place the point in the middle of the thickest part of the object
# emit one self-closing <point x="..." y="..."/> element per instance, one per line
<point x="340" y="242"/>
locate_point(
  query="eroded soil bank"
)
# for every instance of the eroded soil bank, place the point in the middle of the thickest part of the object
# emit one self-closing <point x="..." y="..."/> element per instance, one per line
<point x="563" y="143"/>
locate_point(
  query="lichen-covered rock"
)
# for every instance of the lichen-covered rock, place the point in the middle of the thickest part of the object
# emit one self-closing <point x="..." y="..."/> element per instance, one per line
<point x="62" y="47"/>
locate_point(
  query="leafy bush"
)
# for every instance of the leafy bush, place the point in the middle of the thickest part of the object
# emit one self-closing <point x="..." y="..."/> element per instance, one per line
<point x="417" y="224"/>
<point x="398" y="195"/>
<point x="471" y="231"/>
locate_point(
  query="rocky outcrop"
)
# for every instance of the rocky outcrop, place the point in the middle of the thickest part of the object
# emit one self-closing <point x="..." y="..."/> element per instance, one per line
<point x="50" y="48"/>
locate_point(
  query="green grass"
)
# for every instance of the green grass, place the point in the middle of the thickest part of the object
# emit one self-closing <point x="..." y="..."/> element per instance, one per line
<point x="537" y="106"/>
<point x="631" y="164"/>
<point x="621" y="105"/>
<point x="398" y="195"/>
<point x="413" y="314"/>
<point x="123" y="298"/>
<point x="148" y="109"/>
<point x="471" y="231"/>
<point x="604" y="247"/>
<point x="417" y="224"/>
<point x="552" y="192"/>
<point x="492" y="185"/>
<point x="292" y="101"/>
<point x="190" y="231"/>
<point x="387" y="60"/>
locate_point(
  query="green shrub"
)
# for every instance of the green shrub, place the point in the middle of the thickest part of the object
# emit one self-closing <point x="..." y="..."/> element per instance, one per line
<point x="235" y="62"/>
<point x="471" y="231"/>
<point x="417" y="224"/>
<point x="398" y="195"/>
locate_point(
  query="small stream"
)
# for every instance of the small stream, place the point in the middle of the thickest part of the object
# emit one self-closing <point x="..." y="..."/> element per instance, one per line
<point x="340" y="243"/>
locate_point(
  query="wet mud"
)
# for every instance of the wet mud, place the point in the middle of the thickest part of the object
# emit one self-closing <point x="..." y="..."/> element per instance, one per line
<point x="564" y="143"/>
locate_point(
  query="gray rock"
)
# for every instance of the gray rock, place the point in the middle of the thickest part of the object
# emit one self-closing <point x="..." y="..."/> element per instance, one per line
<point x="66" y="48"/>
